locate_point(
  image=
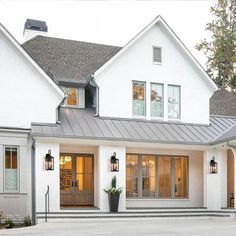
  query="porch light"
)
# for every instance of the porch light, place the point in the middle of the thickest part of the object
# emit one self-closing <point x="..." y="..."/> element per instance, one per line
<point x="213" y="166"/>
<point x="114" y="163"/>
<point x="49" y="161"/>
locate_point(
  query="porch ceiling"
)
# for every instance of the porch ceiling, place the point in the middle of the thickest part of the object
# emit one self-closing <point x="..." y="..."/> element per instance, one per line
<point x="82" y="124"/>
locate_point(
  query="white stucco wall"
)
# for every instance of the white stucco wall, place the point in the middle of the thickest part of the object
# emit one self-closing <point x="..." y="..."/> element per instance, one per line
<point x="46" y="178"/>
<point x="24" y="94"/>
<point x="105" y="175"/>
<point x="215" y="185"/>
<point x="115" y="82"/>
<point x="195" y="175"/>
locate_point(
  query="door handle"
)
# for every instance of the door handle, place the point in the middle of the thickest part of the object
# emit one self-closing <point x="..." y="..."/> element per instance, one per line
<point x="72" y="183"/>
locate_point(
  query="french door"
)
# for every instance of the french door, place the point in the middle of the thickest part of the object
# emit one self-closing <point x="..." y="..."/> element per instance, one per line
<point x="76" y="180"/>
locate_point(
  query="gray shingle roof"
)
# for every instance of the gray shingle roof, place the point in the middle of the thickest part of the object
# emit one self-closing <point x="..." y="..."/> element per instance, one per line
<point x="82" y="124"/>
<point x="68" y="60"/>
<point x="223" y="103"/>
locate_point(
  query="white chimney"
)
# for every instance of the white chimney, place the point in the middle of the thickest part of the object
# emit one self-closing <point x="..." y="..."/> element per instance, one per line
<point x="33" y="28"/>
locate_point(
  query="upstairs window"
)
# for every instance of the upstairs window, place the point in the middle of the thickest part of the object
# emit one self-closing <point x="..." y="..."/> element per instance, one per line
<point x="157" y="108"/>
<point x="157" y="57"/>
<point x="72" y="97"/>
<point x="139" y="98"/>
<point x="11" y="170"/>
<point x="173" y="102"/>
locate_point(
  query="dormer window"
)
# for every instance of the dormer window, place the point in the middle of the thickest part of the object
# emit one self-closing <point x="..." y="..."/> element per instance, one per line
<point x="157" y="57"/>
<point x="72" y="97"/>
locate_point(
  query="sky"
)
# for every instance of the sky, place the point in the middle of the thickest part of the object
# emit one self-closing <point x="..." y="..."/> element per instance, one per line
<point x="109" y="22"/>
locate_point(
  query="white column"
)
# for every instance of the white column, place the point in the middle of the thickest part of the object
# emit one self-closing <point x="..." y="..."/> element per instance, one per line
<point x="105" y="175"/>
<point x="234" y="152"/>
<point x="47" y="177"/>
<point x="215" y="185"/>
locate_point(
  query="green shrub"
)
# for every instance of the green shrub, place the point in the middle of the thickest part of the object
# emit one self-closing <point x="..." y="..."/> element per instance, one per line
<point x="27" y="221"/>
<point x="8" y="223"/>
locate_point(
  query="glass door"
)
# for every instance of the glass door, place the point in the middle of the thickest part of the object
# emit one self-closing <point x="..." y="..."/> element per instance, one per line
<point x="76" y="180"/>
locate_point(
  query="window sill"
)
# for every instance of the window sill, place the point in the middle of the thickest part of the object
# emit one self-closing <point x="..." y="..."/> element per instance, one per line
<point x="157" y="199"/>
<point x="156" y="63"/>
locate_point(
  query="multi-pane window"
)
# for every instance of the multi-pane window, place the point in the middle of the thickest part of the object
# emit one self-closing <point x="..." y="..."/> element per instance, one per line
<point x="72" y="97"/>
<point x="173" y="102"/>
<point x="154" y="176"/>
<point x="11" y="170"/>
<point x="132" y="175"/>
<point x="139" y="98"/>
<point x="157" y="57"/>
<point x="157" y="103"/>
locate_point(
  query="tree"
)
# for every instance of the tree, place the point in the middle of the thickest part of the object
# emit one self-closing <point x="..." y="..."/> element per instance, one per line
<point x="220" y="50"/>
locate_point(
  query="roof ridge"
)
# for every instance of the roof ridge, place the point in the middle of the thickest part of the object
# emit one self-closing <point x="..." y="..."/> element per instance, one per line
<point x="71" y="40"/>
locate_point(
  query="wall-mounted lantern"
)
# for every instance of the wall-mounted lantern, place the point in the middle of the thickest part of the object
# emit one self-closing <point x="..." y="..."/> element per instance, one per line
<point x="213" y="166"/>
<point x="49" y="161"/>
<point x="114" y="163"/>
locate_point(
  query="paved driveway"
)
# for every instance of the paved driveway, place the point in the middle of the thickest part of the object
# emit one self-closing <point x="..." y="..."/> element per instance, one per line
<point x="129" y="227"/>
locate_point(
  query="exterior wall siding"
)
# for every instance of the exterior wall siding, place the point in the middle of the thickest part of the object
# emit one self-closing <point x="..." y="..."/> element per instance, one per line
<point x="115" y="82"/>
<point x="16" y="205"/>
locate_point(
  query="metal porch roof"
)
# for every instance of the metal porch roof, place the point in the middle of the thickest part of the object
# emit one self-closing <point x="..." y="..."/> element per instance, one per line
<point x="82" y="124"/>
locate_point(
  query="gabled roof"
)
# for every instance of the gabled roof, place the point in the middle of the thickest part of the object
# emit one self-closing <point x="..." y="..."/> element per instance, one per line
<point x="68" y="60"/>
<point x="160" y="20"/>
<point x="223" y="103"/>
<point x="82" y="124"/>
<point x="13" y="41"/>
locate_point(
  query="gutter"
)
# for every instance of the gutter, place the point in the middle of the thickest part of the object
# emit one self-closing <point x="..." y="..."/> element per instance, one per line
<point x="33" y="182"/>
<point x="230" y="145"/>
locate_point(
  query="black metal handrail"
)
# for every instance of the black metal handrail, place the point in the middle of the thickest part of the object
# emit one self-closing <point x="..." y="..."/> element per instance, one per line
<point x="46" y="204"/>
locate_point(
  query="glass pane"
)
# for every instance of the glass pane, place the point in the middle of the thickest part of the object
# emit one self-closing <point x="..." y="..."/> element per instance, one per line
<point x="11" y="172"/>
<point x="164" y="177"/>
<point x="138" y="98"/>
<point x="84" y="182"/>
<point x="79" y="165"/>
<point x="65" y="173"/>
<point x="148" y="169"/>
<point x="173" y="102"/>
<point x="132" y="175"/>
<point x="156" y="100"/>
<point x="180" y="177"/>
<point x="88" y="165"/>
<point x="72" y="96"/>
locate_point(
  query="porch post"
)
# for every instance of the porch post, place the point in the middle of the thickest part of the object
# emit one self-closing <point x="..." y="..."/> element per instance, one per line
<point x="234" y="152"/>
<point x="105" y="175"/>
<point x="215" y="185"/>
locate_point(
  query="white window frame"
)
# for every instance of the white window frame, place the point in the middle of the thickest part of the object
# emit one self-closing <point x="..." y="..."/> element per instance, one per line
<point x="153" y="61"/>
<point x="145" y="100"/>
<point x="174" y="85"/>
<point x="18" y="169"/>
<point x="163" y="101"/>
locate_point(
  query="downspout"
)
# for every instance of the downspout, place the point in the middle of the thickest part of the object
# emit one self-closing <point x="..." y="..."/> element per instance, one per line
<point x="97" y="93"/>
<point x="33" y="182"/>
<point x="58" y="107"/>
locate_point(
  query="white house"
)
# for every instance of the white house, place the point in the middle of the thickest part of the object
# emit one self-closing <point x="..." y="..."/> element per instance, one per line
<point x="146" y="103"/>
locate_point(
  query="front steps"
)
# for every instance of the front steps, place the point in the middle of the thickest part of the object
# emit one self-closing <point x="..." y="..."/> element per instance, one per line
<point x="138" y="213"/>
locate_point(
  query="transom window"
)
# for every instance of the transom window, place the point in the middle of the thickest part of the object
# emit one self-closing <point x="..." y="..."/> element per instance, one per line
<point x="157" y="57"/>
<point x="152" y="176"/>
<point x="173" y="102"/>
<point x="139" y="98"/>
<point x="11" y="170"/>
<point x="72" y="97"/>
<point x="157" y="108"/>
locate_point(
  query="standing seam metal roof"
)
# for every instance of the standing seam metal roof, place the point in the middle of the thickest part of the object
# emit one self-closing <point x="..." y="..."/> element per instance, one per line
<point x="82" y="124"/>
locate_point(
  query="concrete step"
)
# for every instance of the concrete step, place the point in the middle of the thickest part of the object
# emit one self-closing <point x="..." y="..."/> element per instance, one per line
<point x="77" y="215"/>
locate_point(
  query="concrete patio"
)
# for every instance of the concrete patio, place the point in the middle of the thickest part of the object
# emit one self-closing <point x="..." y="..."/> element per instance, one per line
<point x="131" y="226"/>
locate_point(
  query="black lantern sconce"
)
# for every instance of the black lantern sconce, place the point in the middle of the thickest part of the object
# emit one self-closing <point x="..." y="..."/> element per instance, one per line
<point x="114" y="163"/>
<point x="213" y="166"/>
<point x="49" y="161"/>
